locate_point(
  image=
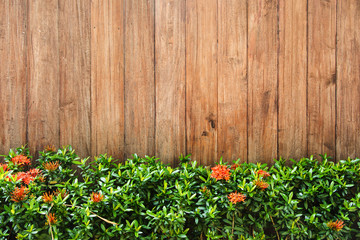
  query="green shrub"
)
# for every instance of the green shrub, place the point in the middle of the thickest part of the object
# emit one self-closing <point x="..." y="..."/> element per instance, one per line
<point x="141" y="198"/>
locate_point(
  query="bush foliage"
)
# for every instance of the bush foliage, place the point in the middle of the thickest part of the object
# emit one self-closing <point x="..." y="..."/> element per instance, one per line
<point x="61" y="196"/>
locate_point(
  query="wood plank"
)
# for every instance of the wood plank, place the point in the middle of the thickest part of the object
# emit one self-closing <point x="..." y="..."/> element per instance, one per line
<point x="139" y="78"/>
<point x="170" y="79"/>
<point x="74" y="44"/>
<point x="348" y="79"/>
<point x="321" y="77"/>
<point x="13" y="19"/>
<point x="232" y="86"/>
<point x="292" y="122"/>
<point x="262" y="80"/>
<point x="201" y="80"/>
<point x="43" y="73"/>
<point x="107" y="78"/>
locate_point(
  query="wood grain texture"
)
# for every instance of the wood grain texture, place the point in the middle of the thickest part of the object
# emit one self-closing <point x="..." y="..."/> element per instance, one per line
<point x="107" y="78"/>
<point x="201" y="80"/>
<point x="321" y="77"/>
<point x="43" y="74"/>
<point x="74" y="44"/>
<point x="292" y="122"/>
<point x="232" y="83"/>
<point x="139" y="78"/>
<point x="262" y="80"/>
<point x="348" y="79"/>
<point x="170" y="79"/>
<point x="13" y="19"/>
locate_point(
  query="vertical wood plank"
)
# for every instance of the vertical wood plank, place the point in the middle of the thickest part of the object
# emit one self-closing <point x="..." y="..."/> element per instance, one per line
<point x="74" y="44"/>
<point x="13" y="19"/>
<point x="321" y="77"/>
<point x="292" y="132"/>
<point x="262" y="80"/>
<point x="139" y="78"/>
<point x="43" y="73"/>
<point x="232" y="83"/>
<point x="107" y="77"/>
<point x="170" y="79"/>
<point x="201" y="80"/>
<point x="348" y="79"/>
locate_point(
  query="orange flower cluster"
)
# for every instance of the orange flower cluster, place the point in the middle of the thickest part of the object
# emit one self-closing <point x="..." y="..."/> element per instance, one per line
<point x="62" y="193"/>
<point x="236" y="197"/>
<point x="47" y="197"/>
<point x="337" y="225"/>
<point x="96" y="197"/>
<point x="51" y="219"/>
<point x="220" y="172"/>
<point x="261" y="184"/>
<point x="19" y="194"/>
<point x="26" y="177"/>
<point x="20" y="160"/>
<point x="234" y="166"/>
<point x="3" y="166"/>
<point x="263" y="173"/>
<point x="50" y="148"/>
<point x="51" y="166"/>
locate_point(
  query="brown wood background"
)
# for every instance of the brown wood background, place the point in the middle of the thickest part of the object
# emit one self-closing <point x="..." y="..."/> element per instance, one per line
<point x="242" y="79"/>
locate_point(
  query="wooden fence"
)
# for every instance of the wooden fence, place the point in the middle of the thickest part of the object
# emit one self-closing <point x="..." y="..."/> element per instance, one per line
<point x="242" y="79"/>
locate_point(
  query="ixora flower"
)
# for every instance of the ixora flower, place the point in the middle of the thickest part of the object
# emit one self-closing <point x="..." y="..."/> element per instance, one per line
<point x="3" y="166"/>
<point x="236" y="197"/>
<point x="51" y="166"/>
<point x="50" y="148"/>
<point x="261" y="184"/>
<point x="20" y="160"/>
<point x="337" y="225"/>
<point x="19" y="194"/>
<point x="26" y="177"/>
<point x="96" y="197"/>
<point x="47" y="197"/>
<point x="234" y="166"/>
<point x="263" y="173"/>
<point x="51" y="219"/>
<point x="62" y="193"/>
<point x="220" y="172"/>
<point x="34" y="172"/>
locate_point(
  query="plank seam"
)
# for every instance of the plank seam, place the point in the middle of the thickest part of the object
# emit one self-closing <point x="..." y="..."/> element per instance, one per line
<point x="154" y="57"/>
<point x="307" y="80"/>
<point x="27" y="74"/>
<point x="277" y="75"/>
<point x="124" y="83"/>
<point x="247" y="81"/>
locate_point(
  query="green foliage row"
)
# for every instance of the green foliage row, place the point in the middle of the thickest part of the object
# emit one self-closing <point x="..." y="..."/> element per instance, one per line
<point x="145" y="199"/>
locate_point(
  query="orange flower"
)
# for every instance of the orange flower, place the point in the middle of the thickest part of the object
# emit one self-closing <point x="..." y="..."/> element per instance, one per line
<point x="263" y="173"/>
<point x="3" y="166"/>
<point x="97" y="197"/>
<point x="234" y="166"/>
<point x="51" y="166"/>
<point x="50" y="148"/>
<point x="337" y="225"/>
<point x="236" y="197"/>
<point x="47" y="197"/>
<point x="261" y="184"/>
<point x="20" y="160"/>
<point x="63" y="193"/>
<point x="51" y="219"/>
<point x="34" y="172"/>
<point x="19" y="194"/>
<point x="25" y="177"/>
<point x="220" y="172"/>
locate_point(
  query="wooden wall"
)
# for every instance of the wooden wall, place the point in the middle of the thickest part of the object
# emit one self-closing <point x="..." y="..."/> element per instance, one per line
<point x="254" y="80"/>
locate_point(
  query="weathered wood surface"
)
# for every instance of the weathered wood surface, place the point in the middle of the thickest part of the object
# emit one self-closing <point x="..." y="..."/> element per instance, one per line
<point x="253" y="80"/>
<point x="170" y="79"/>
<point x="262" y="80"/>
<point x="348" y="79"/>
<point x="292" y="132"/>
<point x="321" y="77"/>
<point x="201" y="80"/>
<point x="13" y="84"/>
